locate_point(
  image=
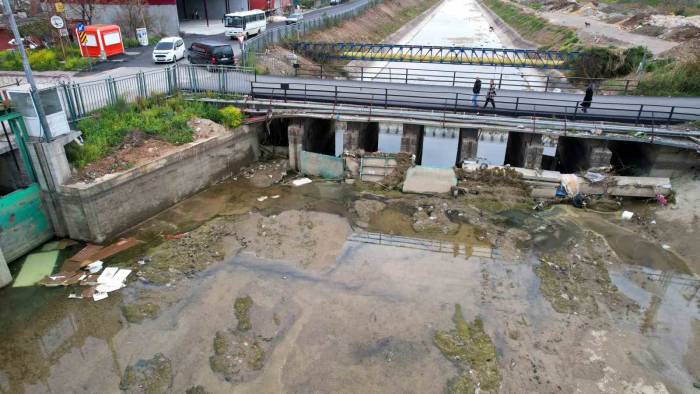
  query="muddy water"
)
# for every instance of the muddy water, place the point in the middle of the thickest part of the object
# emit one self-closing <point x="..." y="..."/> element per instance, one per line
<point x="361" y="322"/>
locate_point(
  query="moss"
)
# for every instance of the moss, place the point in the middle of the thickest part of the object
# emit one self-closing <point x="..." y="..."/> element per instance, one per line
<point x="148" y="376"/>
<point x="236" y="354"/>
<point x="196" y="390"/>
<point x="242" y="307"/>
<point x="471" y="350"/>
<point x="136" y="313"/>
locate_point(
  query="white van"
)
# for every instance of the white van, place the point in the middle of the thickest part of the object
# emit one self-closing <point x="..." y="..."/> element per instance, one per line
<point x="246" y="23"/>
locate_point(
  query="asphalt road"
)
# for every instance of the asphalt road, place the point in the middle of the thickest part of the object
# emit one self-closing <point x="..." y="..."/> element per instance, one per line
<point x="141" y="57"/>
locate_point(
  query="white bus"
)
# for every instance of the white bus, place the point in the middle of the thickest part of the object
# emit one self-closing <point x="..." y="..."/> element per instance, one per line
<point x="245" y="23"/>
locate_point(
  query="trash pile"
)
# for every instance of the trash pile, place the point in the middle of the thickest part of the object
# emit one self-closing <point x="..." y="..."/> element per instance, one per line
<point x="84" y="269"/>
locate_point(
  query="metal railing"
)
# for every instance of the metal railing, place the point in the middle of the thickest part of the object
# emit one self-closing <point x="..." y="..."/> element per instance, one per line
<point x="512" y="81"/>
<point x="83" y="98"/>
<point x="438" y="54"/>
<point x="450" y="101"/>
<point x="332" y="16"/>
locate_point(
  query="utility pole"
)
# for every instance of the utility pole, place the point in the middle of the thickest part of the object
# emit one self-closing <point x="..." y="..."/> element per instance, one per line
<point x="33" y="91"/>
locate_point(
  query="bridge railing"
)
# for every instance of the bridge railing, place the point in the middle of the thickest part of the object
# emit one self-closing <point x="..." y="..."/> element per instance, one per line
<point x="503" y="80"/>
<point x="519" y="105"/>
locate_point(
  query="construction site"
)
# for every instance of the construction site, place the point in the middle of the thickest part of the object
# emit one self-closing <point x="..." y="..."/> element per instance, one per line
<point x="218" y="230"/>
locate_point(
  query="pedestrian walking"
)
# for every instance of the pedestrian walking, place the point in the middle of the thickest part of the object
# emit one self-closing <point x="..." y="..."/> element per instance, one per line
<point x="476" y="90"/>
<point x="491" y="95"/>
<point x="587" y="98"/>
<point x="241" y="42"/>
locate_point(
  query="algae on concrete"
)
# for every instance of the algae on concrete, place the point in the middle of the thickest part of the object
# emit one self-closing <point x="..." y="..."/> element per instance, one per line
<point x="148" y="376"/>
<point x="196" y="390"/>
<point x="136" y="313"/>
<point x="242" y="307"/>
<point x="235" y="355"/>
<point x="473" y="353"/>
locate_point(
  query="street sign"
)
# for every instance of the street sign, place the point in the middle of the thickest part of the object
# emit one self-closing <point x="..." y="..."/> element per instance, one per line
<point x="63" y="32"/>
<point x="59" y="7"/>
<point x="80" y="27"/>
<point x="57" y="22"/>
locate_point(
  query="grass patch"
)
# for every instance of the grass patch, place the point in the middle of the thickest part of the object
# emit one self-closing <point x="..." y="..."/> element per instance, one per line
<point x="534" y="28"/>
<point x="137" y="313"/>
<point x="45" y="60"/>
<point x="158" y="117"/>
<point x="671" y="79"/>
<point x="471" y="350"/>
<point x="241" y="308"/>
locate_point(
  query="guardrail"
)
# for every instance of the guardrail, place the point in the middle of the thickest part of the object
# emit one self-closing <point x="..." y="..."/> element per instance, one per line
<point x="331" y="17"/>
<point x="510" y="105"/>
<point x="514" y="81"/>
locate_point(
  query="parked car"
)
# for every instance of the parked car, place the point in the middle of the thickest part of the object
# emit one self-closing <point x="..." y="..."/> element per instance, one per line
<point x="335" y="2"/>
<point x="295" y="18"/>
<point x="169" y="49"/>
<point x="213" y="54"/>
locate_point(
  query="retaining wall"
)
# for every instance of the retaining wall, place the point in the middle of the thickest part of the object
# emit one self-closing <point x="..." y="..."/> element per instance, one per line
<point x="99" y="211"/>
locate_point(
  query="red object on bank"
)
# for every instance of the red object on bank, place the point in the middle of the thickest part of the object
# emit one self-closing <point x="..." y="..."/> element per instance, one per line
<point x="107" y="38"/>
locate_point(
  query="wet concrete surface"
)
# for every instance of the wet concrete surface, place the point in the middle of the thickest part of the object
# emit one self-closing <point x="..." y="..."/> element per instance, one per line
<point x="334" y="312"/>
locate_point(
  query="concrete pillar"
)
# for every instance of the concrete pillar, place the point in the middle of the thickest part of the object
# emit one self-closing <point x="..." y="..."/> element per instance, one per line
<point x="410" y="138"/>
<point x="468" y="144"/>
<point x="295" y="134"/>
<point x="598" y="153"/>
<point x="340" y="130"/>
<point x="351" y="138"/>
<point x="524" y="150"/>
<point x="5" y="276"/>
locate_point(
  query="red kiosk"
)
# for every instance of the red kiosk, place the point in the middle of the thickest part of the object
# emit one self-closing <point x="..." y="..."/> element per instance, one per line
<point x="98" y="38"/>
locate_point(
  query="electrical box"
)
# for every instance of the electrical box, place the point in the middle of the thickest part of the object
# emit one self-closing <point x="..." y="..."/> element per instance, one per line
<point x="54" y="108"/>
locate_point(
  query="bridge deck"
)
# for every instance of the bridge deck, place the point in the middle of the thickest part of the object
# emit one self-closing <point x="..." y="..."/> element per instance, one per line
<point x="626" y="109"/>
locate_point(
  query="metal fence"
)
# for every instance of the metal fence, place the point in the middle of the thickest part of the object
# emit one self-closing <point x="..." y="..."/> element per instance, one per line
<point x="287" y="32"/>
<point x="83" y="98"/>
<point x="465" y="78"/>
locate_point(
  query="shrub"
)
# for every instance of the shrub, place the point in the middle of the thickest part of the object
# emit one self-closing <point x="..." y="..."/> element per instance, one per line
<point x="43" y="60"/>
<point x="130" y="42"/>
<point x="232" y="117"/>
<point x="672" y="79"/>
<point x="10" y="60"/>
<point x="76" y="64"/>
<point x="599" y="62"/>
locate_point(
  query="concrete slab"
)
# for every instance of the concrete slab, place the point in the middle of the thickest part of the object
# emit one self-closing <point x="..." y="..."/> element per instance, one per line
<point x="429" y="180"/>
<point x="215" y="27"/>
<point x="5" y="275"/>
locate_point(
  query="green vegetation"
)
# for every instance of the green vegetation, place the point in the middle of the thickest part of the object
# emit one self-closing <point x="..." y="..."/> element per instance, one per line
<point x="47" y="59"/>
<point x="677" y="7"/>
<point x="599" y="62"/>
<point x="534" y="28"/>
<point x="136" y="313"/>
<point x="241" y="308"/>
<point x="471" y="350"/>
<point x="157" y="117"/>
<point x="235" y="353"/>
<point x="148" y="376"/>
<point x="671" y="79"/>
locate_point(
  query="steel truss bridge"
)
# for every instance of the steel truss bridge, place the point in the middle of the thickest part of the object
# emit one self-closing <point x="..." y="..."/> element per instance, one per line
<point x="438" y="54"/>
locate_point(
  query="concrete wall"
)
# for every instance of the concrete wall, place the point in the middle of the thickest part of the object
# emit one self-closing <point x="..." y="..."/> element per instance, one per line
<point x="100" y="211"/>
<point x="325" y="166"/>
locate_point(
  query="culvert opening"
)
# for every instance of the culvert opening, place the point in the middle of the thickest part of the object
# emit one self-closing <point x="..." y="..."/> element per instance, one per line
<point x="369" y="137"/>
<point x="319" y="136"/>
<point x="572" y="155"/>
<point x="277" y="133"/>
<point x="632" y="158"/>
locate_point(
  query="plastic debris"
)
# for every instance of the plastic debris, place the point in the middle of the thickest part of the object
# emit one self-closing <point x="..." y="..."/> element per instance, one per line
<point x="95" y="267"/>
<point x="627" y="215"/>
<point x="262" y="198"/>
<point x="301" y="182"/>
<point x="99" y="296"/>
<point x="663" y="201"/>
<point x="665" y="247"/>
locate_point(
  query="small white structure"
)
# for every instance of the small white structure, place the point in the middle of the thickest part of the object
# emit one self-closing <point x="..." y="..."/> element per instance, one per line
<point x="54" y="108"/>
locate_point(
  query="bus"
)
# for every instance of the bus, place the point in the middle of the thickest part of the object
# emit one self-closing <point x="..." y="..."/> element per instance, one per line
<point x="245" y="23"/>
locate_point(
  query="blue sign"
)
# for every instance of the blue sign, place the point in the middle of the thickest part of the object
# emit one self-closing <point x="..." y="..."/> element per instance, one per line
<point x="80" y="27"/>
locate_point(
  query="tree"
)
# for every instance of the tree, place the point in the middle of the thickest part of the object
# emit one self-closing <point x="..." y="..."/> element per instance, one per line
<point x="133" y="15"/>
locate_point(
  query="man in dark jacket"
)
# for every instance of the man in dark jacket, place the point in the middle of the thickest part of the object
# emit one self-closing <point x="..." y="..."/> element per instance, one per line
<point x="491" y="96"/>
<point x="587" y="99"/>
<point x="476" y="90"/>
